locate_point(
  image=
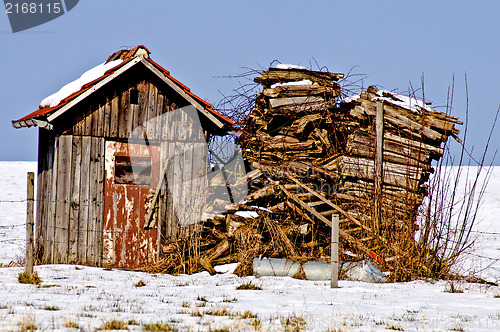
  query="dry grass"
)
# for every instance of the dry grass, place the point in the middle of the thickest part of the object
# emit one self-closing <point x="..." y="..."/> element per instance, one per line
<point x="218" y="312"/>
<point x="24" y="278"/>
<point x="452" y="288"/>
<point x="228" y="300"/>
<point x="256" y="324"/>
<point x="140" y="283"/>
<point x="28" y="327"/>
<point x="247" y="314"/>
<point x="249" y="285"/>
<point x="71" y="324"/>
<point x="158" y="327"/>
<point x="248" y="244"/>
<point x="294" y="323"/>
<point x="301" y="275"/>
<point x="52" y="308"/>
<point x="196" y="314"/>
<point x="28" y="324"/>
<point x="114" y="325"/>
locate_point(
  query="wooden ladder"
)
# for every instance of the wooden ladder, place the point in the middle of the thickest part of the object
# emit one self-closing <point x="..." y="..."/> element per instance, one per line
<point x="300" y="205"/>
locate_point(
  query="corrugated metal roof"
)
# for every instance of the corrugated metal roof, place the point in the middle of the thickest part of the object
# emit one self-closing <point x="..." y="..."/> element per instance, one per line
<point x="127" y="56"/>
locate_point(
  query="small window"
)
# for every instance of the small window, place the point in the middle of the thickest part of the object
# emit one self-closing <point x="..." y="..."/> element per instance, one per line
<point x="134" y="97"/>
<point x="133" y="170"/>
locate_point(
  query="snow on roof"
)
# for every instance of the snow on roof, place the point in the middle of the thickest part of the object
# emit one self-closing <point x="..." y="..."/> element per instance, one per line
<point x="303" y="82"/>
<point x="287" y="66"/>
<point x="408" y="103"/>
<point x="72" y="87"/>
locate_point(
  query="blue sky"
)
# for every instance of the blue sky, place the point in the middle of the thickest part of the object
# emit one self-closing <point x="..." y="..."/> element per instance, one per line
<point x="392" y="42"/>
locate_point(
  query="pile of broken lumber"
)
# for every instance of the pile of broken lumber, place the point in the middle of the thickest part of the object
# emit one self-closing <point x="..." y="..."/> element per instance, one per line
<point x="291" y="121"/>
<point x="314" y="155"/>
<point x="300" y="135"/>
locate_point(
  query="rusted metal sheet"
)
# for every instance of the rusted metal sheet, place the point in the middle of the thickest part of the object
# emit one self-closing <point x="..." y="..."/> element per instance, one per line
<point x="126" y="243"/>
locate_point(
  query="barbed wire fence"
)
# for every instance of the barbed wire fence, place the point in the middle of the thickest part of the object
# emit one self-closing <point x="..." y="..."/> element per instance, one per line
<point x="11" y="234"/>
<point x="15" y="235"/>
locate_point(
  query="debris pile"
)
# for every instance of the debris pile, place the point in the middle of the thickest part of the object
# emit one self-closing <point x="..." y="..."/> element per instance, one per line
<point x="312" y="155"/>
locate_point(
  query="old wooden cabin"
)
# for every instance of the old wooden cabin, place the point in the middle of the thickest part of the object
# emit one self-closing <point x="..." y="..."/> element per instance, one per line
<point x="106" y="142"/>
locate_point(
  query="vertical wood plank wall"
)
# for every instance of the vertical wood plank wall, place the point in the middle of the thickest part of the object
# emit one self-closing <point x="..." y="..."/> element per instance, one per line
<point x="70" y="209"/>
<point x="44" y="180"/>
<point x="68" y="218"/>
<point x="181" y="201"/>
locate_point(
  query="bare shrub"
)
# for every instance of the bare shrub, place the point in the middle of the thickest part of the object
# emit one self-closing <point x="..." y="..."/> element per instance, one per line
<point x="446" y="219"/>
<point x="25" y="278"/>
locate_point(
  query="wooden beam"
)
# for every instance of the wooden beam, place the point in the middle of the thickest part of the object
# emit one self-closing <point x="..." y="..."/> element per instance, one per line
<point x="280" y="102"/>
<point x="300" y="90"/>
<point x="299" y="211"/>
<point x="214" y="253"/>
<point x="29" y="223"/>
<point x="379" y="152"/>
<point x="148" y="223"/>
<point x="334" y="252"/>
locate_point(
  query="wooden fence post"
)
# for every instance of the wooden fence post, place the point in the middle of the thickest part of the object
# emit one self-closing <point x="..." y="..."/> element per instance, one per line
<point x="334" y="249"/>
<point x="379" y="155"/>
<point x="29" y="223"/>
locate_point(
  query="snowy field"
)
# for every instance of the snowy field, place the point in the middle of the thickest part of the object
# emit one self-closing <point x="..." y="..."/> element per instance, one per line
<point x="86" y="298"/>
<point x="13" y="209"/>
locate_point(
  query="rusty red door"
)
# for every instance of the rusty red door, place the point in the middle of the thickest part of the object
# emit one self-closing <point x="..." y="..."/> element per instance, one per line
<point x="131" y="171"/>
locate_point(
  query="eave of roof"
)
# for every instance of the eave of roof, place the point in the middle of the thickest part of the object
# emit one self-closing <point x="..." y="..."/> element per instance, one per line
<point x="51" y="113"/>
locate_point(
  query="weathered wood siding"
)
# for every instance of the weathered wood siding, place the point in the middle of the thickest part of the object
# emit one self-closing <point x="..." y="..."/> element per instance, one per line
<point x="71" y="171"/>
<point x="182" y="199"/>
<point x="114" y="117"/>
<point x="47" y="143"/>
<point x="70" y="209"/>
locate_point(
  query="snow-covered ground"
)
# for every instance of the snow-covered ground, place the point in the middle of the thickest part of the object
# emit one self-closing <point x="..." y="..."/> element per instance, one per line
<point x="91" y="296"/>
<point x="88" y="297"/>
<point x="485" y="256"/>
<point x="13" y="209"/>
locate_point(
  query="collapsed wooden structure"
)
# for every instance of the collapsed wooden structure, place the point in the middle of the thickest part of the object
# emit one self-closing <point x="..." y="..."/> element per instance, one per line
<point x="366" y="158"/>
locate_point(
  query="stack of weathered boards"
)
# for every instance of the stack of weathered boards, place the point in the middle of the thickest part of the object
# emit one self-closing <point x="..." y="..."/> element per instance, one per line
<point x="302" y="135"/>
<point x="413" y="134"/>
<point x="313" y="156"/>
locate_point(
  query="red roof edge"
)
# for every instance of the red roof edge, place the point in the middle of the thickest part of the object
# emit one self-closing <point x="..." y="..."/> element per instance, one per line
<point x="26" y="121"/>
<point x="46" y="110"/>
<point x="141" y="46"/>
